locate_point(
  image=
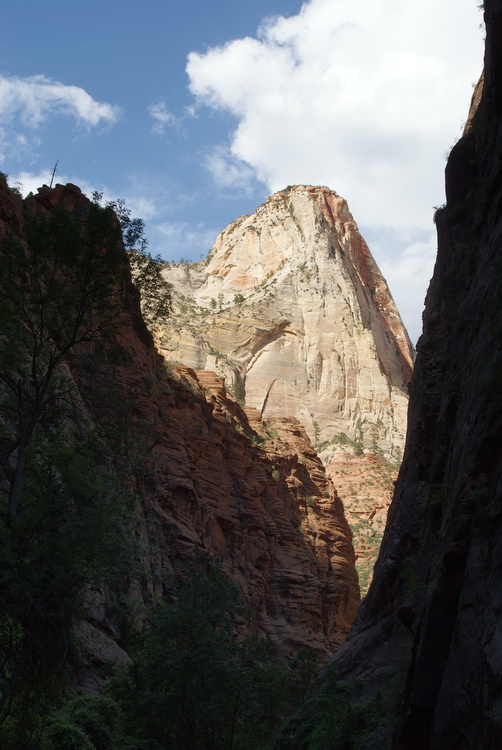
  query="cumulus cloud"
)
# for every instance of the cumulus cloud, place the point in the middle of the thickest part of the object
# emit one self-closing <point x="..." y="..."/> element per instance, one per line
<point x="358" y="96"/>
<point x="162" y="118"/>
<point x="362" y="97"/>
<point x="29" y="182"/>
<point x="26" y="103"/>
<point x="36" y="98"/>
<point x="228" y="171"/>
<point x="408" y="274"/>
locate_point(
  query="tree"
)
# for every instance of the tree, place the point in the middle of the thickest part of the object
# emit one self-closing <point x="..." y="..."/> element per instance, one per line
<point x="60" y="287"/>
<point x="58" y="291"/>
<point x="146" y="270"/>
<point x="186" y="677"/>
<point x="196" y="683"/>
<point x="73" y="533"/>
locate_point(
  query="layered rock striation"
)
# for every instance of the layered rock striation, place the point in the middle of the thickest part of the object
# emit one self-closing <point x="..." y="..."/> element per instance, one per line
<point x="292" y="310"/>
<point x="208" y="474"/>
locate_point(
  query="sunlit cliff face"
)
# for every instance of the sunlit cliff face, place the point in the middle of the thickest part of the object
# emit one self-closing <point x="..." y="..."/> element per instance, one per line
<point x="291" y="308"/>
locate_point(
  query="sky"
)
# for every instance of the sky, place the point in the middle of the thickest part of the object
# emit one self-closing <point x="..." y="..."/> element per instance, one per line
<point x="195" y="112"/>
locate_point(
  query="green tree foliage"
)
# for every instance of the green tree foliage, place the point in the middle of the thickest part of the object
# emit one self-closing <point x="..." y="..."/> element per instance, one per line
<point x="57" y="291"/>
<point x="304" y="670"/>
<point x="196" y="684"/>
<point x="71" y="536"/>
<point x="146" y="270"/>
<point x="90" y="722"/>
<point x="59" y="295"/>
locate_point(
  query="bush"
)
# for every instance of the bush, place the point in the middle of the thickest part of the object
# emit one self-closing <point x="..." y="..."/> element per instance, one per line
<point x="62" y="735"/>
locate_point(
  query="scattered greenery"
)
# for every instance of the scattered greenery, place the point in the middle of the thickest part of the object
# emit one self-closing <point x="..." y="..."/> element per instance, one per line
<point x="194" y="683"/>
<point x="237" y="390"/>
<point x="146" y="270"/>
<point x="57" y="299"/>
<point x="342" y="439"/>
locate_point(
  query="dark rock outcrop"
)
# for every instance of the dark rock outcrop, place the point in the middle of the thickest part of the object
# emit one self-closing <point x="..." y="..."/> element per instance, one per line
<point x="204" y="476"/>
<point x="430" y="626"/>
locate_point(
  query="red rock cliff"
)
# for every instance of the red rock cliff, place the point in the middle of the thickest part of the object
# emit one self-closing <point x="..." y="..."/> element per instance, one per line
<point x="254" y="493"/>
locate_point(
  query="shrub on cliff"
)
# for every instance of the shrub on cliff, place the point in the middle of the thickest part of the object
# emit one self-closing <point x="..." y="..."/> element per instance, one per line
<point x="59" y="290"/>
<point x="146" y="270"/>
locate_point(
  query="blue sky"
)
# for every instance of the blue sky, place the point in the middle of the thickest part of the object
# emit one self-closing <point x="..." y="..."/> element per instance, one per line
<point x="195" y="112"/>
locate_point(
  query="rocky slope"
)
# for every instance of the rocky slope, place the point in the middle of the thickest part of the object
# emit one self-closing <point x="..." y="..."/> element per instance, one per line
<point x="292" y="310"/>
<point x="207" y="473"/>
<point x="365" y="481"/>
<point x="427" y="639"/>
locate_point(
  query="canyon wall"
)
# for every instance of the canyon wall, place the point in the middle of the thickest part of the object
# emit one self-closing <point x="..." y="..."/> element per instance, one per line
<point x="426" y="646"/>
<point x="206" y="473"/>
<point x="292" y="310"/>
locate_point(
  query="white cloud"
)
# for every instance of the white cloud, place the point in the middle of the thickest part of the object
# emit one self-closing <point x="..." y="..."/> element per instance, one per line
<point x="36" y="98"/>
<point x="408" y="274"/>
<point x="26" y="103"/>
<point x="29" y="182"/>
<point x="362" y="97"/>
<point x="142" y="206"/>
<point x="162" y="118"/>
<point x="228" y="171"/>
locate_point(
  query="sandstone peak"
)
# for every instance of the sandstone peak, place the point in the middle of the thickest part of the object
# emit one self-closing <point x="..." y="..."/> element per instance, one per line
<point x="291" y="309"/>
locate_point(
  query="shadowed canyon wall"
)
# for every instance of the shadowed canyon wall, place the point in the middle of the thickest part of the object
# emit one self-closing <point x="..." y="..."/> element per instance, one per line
<point x="426" y="645"/>
<point x="206" y="473"/>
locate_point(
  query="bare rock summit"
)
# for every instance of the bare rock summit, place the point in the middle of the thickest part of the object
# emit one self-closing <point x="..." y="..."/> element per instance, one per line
<point x="291" y="309"/>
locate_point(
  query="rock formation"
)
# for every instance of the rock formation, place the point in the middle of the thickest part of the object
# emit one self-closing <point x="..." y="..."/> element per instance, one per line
<point x="207" y="473"/>
<point x="365" y="482"/>
<point x="427" y="639"/>
<point x="292" y="310"/>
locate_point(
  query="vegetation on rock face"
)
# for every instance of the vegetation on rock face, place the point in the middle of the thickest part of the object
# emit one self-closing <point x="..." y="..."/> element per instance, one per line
<point x="193" y="683"/>
<point x="340" y="715"/>
<point x="146" y="270"/>
<point x="58" y="296"/>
